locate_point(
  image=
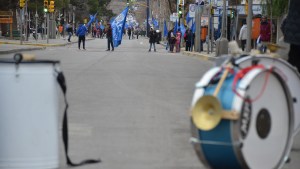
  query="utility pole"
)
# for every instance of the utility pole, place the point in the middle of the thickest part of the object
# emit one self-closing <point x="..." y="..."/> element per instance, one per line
<point x="222" y="42"/>
<point x="249" y="26"/>
<point x="198" y="14"/>
<point x="36" y="29"/>
<point x="147" y="11"/>
<point x="36" y="18"/>
<point x="47" y="27"/>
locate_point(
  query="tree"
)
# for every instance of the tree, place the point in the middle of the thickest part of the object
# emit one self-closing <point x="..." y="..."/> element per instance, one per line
<point x="275" y="8"/>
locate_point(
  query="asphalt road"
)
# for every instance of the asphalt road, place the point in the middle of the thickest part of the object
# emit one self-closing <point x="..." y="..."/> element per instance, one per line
<point x="130" y="107"/>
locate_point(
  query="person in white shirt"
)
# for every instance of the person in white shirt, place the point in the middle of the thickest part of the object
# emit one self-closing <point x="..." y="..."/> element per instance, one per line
<point x="243" y="35"/>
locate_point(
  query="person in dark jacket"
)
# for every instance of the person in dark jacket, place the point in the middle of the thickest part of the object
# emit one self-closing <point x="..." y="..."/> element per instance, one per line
<point x="81" y="31"/>
<point x="129" y="32"/>
<point x="188" y="38"/>
<point x="152" y="39"/>
<point x="290" y="29"/>
<point x="171" y="40"/>
<point x="109" y="38"/>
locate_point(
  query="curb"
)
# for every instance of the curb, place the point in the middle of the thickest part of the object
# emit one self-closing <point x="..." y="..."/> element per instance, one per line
<point x="20" y="50"/>
<point x="200" y="55"/>
<point x="38" y="46"/>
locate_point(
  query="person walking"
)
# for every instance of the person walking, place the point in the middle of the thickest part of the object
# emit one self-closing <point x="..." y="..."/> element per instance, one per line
<point x="188" y="38"/>
<point x="109" y="38"/>
<point x="243" y="35"/>
<point x="265" y="33"/>
<point x="178" y="40"/>
<point x="171" y="40"/>
<point x="290" y="28"/>
<point x="137" y="33"/>
<point x="81" y="31"/>
<point x="152" y="39"/>
<point x="129" y="32"/>
<point x="70" y="31"/>
<point x="132" y="33"/>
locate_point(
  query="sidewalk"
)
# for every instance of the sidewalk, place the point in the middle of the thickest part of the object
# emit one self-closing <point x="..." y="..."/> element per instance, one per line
<point x="13" y="46"/>
<point x="211" y="56"/>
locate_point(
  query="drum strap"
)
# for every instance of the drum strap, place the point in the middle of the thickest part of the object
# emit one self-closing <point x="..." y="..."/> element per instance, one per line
<point x="242" y="73"/>
<point x="62" y="83"/>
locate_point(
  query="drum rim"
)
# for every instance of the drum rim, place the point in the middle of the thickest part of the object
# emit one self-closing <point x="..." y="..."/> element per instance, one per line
<point x="203" y="82"/>
<point x="235" y="126"/>
<point x="242" y="59"/>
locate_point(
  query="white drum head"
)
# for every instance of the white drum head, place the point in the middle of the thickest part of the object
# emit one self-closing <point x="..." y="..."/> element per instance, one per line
<point x="267" y="140"/>
<point x="288" y="73"/>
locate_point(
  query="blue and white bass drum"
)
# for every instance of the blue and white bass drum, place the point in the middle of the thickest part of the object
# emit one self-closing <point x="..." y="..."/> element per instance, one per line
<point x="254" y="127"/>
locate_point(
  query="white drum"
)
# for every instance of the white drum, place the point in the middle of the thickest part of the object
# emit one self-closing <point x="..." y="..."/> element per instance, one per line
<point x="29" y="115"/>
<point x="290" y="75"/>
<point x="262" y="136"/>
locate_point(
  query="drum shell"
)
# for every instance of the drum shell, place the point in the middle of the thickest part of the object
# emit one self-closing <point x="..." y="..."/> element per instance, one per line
<point x="28" y="115"/>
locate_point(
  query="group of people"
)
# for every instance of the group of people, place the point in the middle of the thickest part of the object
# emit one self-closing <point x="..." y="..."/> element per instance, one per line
<point x="290" y="29"/>
<point x="174" y="40"/>
<point x="82" y="30"/>
<point x="264" y="36"/>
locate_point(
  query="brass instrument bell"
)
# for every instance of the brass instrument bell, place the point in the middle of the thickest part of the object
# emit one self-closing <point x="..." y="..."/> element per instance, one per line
<point x="206" y="113"/>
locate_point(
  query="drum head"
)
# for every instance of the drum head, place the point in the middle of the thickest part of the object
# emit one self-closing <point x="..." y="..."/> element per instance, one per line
<point x="288" y="73"/>
<point x="266" y="123"/>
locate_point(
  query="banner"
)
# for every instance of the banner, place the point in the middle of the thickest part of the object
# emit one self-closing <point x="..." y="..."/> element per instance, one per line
<point x="155" y="23"/>
<point x="175" y="28"/>
<point x="165" y="29"/>
<point x="189" y="20"/>
<point x="193" y="27"/>
<point x="182" y="29"/>
<point x="92" y="19"/>
<point x="118" y="26"/>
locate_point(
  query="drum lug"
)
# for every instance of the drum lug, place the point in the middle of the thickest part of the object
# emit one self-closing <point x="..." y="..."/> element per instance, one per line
<point x="287" y="159"/>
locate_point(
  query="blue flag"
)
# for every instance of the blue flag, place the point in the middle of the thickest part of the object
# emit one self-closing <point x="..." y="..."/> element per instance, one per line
<point x="182" y="29"/>
<point x="165" y="29"/>
<point x="112" y="19"/>
<point x="102" y="27"/>
<point x="188" y="18"/>
<point x="193" y="27"/>
<point x="175" y="27"/>
<point x="92" y="19"/>
<point x="118" y="26"/>
<point x="155" y="23"/>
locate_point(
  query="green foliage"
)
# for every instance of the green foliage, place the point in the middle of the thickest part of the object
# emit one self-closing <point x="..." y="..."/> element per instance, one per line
<point x="93" y="6"/>
<point x="277" y="7"/>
